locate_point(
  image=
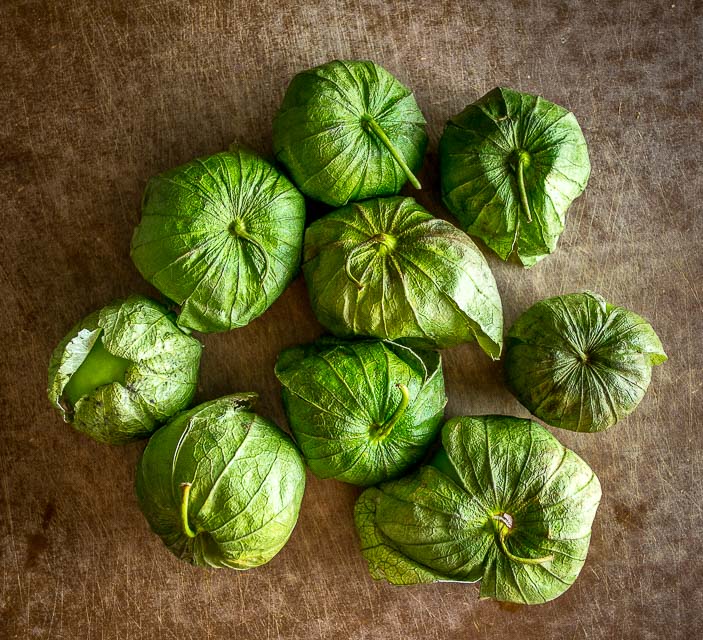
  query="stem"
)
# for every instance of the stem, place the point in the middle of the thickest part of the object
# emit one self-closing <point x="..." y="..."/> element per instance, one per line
<point x="347" y="271"/>
<point x="185" y="488"/>
<point x="237" y="229"/>
<point x="351" y="256"/>
<point x="503" y="529"/>
<point x="522" y="160"/>
<point x="397" y="414"/>
<point x="388" y="244"/>
<point x="245" y="236"/>
<point x="376" y="128"/>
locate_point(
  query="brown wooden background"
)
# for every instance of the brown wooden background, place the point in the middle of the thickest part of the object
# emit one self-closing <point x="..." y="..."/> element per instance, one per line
<point x="97" y="96"/>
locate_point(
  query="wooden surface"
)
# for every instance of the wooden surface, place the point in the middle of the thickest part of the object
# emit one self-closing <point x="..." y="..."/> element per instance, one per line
<point x="97" y="96"/>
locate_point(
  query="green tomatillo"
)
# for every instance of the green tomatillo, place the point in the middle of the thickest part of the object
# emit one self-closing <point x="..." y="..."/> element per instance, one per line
<point x="511" y="164"/>
<point x="221" y="485"/>
<point x="124" y="370"/>
<point x="388" y="269"/>
<point x="221" y="236"/>
<point x="348" y="130"/>
<point x="362" y="411"/>
<point x="580" y="363"/>
<point x="503" y="502"/>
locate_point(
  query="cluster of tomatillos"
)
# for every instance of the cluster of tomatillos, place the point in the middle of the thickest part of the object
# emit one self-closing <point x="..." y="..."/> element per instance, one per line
<point x="501" y="501"/>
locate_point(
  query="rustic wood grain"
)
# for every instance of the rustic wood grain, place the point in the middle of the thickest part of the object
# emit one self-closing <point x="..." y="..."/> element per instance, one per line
<point x="97" y="96"/>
